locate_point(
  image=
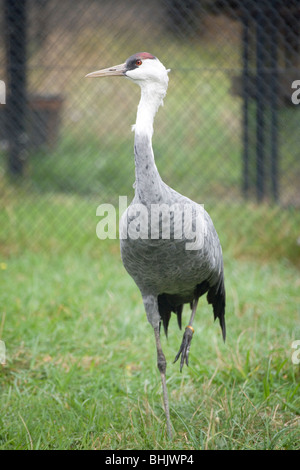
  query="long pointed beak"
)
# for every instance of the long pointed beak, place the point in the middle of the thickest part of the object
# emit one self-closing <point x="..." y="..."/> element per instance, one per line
<point x="109" y="72"/>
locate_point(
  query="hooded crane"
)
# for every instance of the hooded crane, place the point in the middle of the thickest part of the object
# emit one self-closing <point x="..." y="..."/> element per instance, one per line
<point x="168" y="242"/>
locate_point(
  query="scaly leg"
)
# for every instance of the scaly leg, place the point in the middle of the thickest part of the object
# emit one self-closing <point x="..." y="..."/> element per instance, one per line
<point x="162" y="365"/>
<point x="187" y="339"/>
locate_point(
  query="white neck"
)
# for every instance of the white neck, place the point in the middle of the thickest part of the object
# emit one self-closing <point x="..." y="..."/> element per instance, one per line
<point x="152" y="96"/>
<point x="148" y="181"/>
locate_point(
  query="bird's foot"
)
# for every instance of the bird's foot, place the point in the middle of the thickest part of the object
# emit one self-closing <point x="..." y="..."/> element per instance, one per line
<point x="185" y="347"/>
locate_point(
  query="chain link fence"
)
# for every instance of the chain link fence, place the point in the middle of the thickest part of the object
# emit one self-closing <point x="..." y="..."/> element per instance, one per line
<point x="228" y="133"/>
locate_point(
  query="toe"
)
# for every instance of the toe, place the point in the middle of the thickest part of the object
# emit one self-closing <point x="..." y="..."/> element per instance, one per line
<point x="184" y="348"/>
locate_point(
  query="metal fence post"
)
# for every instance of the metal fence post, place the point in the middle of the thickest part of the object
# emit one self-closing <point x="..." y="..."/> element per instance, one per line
<point x="260" y="100"/>
<point x="15" y="23"/>
<point x="245" y="83"/>
<point x="274" y="88"/>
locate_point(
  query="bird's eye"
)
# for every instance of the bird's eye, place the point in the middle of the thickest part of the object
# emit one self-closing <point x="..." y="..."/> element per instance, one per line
<point x="138" y="62"/>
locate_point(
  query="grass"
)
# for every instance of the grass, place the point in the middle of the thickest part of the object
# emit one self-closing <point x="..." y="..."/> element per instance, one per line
<point x="81" y="368"/>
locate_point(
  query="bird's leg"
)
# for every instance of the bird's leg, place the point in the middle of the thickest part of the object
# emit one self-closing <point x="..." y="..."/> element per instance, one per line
<point x="187" y="339"/>
<point x="162" y="365"/>
<point x="152" y="311"/>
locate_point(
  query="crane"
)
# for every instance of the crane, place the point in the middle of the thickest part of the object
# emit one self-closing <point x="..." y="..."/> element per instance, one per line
<point x="168" y="242"/>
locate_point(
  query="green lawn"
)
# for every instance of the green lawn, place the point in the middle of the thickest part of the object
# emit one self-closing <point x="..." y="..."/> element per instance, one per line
<point x="81" y="363"/>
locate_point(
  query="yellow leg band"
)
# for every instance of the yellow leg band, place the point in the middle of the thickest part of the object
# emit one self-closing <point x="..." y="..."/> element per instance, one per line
<point x="191" y="328"/>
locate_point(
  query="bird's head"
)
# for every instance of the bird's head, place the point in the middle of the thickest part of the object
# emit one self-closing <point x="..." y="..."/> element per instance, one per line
<point x="142" y="68"/>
